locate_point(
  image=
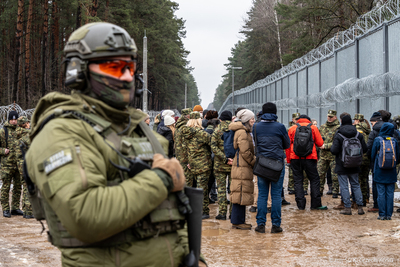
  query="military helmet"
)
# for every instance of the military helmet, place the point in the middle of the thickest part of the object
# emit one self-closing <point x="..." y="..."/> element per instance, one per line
<point x="397" y="119"/>
<point x="194" y="115"/>
<point x="94" y="40"/>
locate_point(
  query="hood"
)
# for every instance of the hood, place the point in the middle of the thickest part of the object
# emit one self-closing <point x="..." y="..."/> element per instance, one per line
<point x="269" y="117"/>
<point x="182" y="121"/>
<point x="188" y="132"/>
<point x="333" y="123"/>
<point x="163" y="130"/>
<point x="364" y="127"/>
<point x="348" y="130"/>
<point x="237" y="125"/>
<point x="224" y="126"/>
<point x="387" y="129"/>
<point x="81" y="102"/>
<point x="377" y="126"/>
<point x="7" y="124"/>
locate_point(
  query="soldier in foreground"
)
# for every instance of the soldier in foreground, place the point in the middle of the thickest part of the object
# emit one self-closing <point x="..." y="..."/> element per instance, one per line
<point x="90" y="160"/>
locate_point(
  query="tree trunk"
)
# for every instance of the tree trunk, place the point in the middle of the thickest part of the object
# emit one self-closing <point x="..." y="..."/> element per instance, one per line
<point x="28" y="51"/>
<point x="18" y="49"/>
<point x="94" y="7"/>
<point x="278" y="35"/>
<point x="79" y="16"/>
<point x="55" y="44"/>
<point x="106" y="11"/>
<point x="44" y="45"/>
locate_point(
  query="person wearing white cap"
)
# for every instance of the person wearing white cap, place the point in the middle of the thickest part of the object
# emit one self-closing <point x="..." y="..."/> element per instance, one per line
<point x="168" y="130"/>
<point x="242" y="186"/>
<point x="164" y="114"/>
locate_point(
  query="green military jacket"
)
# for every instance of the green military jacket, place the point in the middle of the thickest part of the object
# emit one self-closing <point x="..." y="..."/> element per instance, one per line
<point x="180" y="148"/>
<point x="197" y="142"/>
<point x="8" y="160"/>
<point x="328" y="131"/>
<point x="22" y="138"/>
<point x="291" y="123"/>
<point x="217" y="147"/>
<point x="70" y="163"/>
<point x="364" y="129"/>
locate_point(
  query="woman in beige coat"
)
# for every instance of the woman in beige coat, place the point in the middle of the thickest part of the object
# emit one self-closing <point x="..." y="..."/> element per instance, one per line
<point x="242" y="186"/>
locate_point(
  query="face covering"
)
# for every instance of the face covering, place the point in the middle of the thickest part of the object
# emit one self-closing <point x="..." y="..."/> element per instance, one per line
<point x="114" y="92"/>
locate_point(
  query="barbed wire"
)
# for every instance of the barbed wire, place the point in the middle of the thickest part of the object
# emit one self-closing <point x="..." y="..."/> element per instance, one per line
<point x="366" y="23"/>
<point x="5" y="110"/>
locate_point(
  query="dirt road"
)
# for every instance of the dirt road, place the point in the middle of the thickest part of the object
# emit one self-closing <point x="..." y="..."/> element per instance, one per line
<point x="309" y="238"/>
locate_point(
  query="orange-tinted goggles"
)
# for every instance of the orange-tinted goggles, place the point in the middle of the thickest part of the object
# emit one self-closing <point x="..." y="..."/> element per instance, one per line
<point x="117" y="67"/>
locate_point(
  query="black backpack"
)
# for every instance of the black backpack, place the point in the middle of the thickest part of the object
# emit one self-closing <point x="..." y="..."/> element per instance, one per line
<point x="352" y="154"/>
<point x="303" y="143"/>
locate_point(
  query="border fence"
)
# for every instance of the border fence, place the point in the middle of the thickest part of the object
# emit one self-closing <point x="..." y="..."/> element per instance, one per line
<point x="357" y="71"/>
<point x="5" y="110"/>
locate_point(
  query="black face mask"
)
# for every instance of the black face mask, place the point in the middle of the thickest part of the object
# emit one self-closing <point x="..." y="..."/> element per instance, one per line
<point x="112" y="91"/>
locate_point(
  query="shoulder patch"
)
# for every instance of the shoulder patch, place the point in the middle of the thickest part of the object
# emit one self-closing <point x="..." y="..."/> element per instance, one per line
<point x="57" y="160"/>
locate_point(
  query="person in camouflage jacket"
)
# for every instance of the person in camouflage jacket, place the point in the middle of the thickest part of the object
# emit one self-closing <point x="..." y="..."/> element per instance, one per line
<point x="364" y="128"/>
<point x="180" y="148"/>
<point x="221" y="167"/>
<point x="9" y="171"/>
<point x="327" y="159"/>
<point x="22" y="139"/>
<point x="197" y="143"/>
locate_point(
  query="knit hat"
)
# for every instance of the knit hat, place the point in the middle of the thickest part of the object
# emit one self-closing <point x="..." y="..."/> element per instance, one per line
<point x="167" y="112"/>
<point x="245" y="115"/>
<point x="346" y="120"/>
<point x="226" y="115"/>
<point x="376" y="117"/>
<point x="168" y="120"/>
<point x="269" y="107"/>
<point x="197" y="108"/>
<point x="186" y="111"/>
<point x="304" y="116"/>
<point x="194" y="115"/>
<point x="13" y="115"/>
<point x="358" y="116"/>
<point x="22" y="120"/>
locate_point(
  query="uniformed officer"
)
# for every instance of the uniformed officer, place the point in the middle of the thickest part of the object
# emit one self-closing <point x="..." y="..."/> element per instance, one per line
<point x="327" y="159"/>
<point x="90" y="160"/>
<point x="9" y="171"/>
<point x="22" y="144"/>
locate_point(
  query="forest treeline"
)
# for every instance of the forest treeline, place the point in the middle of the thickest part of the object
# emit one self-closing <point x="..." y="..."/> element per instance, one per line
<point x="34" y="33"/>
<point x="278" y="31"/>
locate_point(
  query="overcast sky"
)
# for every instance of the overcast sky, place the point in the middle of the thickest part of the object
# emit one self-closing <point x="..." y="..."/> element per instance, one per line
<point x="212" y="29"/>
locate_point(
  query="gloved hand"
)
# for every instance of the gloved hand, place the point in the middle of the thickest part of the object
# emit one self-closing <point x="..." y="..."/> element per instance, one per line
<point x="174" y="170"/>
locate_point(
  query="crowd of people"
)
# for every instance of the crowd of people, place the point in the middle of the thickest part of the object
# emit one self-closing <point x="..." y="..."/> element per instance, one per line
<point x="14" y="141"/>
<point x="341" y="152"/>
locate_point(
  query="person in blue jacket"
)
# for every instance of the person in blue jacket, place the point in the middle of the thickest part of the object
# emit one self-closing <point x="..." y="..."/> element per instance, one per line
<point x="272" y="139"/>
<point x="385" y="179"/>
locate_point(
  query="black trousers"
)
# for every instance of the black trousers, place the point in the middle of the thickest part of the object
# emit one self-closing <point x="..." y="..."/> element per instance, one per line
<point x="310" y="167"/>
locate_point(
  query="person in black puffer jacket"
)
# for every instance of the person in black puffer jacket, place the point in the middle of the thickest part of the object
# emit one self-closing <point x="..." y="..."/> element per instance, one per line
<point x="348" y="175"/>
<point x="168" y="131"/>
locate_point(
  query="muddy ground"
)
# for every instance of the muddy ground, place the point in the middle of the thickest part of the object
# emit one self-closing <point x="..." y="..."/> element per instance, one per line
<point x="309" y="238"/>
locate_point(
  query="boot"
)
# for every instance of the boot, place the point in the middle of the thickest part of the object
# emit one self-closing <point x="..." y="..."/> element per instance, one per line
<point x="221" y="217"/>
<point x="276" y="229"/>
<point x="7" y="214"/>
<point x="340" y="206"/>
<point x="329" y="190"/>
<point x="360" y="210"/>
<point x="241" y="226"/>
<point x="260" y="228"/>
<point x="253" y="209"/>
<point x="291" y="192"/>
<point x="354" y="205"/>
<point x="205" y="216"/>
<point x="284" y="202"/>
<point x="346" y="211"/>
<point x="335" y="195"/>
<point x="17" y="212"/>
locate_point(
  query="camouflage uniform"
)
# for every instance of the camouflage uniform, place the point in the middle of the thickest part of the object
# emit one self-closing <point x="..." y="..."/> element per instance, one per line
<point x="9" y="171"/>
<point x="363" y="176"/>
<point x="157" y="121"/>
<point x="22" y="138"/>
<point x="327" y="159"/>
<point x="180" y="149"/>
<point x="197" y="143"/>
<point x="221" y="169"/>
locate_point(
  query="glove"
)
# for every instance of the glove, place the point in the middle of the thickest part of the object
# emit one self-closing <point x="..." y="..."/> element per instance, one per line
<point x="173" y="168"/>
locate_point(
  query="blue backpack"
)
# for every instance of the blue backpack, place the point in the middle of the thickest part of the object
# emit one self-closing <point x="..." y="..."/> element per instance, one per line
<point x="387" y="153"/>
<point x="229" y="150"/>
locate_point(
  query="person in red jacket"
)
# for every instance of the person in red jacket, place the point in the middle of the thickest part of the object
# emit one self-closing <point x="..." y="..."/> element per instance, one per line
<point x="307" y="164"/>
